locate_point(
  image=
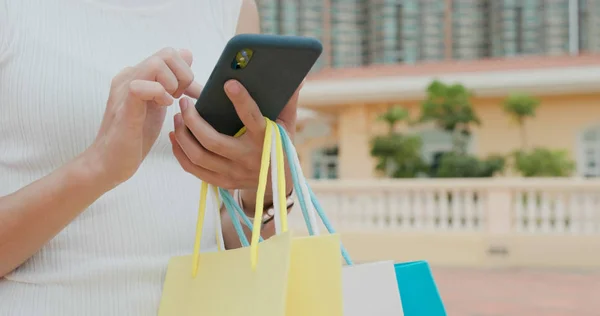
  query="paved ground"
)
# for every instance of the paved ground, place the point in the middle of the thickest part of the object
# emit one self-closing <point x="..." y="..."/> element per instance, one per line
<point x="519" y="292"/>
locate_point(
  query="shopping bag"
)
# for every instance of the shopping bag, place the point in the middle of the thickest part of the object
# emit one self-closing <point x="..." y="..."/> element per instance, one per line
<point x="314" y="286"/>
<point x="419" y="293"/>
<point x="368" y="289"/>
<point x="230" y="282"/>
<point x="372" y="288"/>
<point x="280" y="278"/>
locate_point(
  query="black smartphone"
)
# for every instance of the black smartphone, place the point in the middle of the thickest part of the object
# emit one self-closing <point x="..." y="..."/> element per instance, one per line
<point x="270" y="67"/>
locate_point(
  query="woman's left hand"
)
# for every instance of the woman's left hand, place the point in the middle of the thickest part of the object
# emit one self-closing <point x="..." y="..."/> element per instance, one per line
<point x="222" y="160"/>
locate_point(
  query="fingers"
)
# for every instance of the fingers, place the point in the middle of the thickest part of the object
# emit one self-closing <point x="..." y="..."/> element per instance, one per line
<point x="150" y="91"/>
<point x="194" y="90"/>
<point x="170" y="68"/>
<point x="187" y="56"/>
<point x="246" y="108"/>
<point x="202" y="173"/>
<point x="196" y="153"/>
<point x="213" y="141"/>
<point x="155" y="69"/>
<point x="180" y="67"/>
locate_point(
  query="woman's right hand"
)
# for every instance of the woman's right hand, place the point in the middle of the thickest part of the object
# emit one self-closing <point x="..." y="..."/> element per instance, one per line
<point x="135" y="112"/>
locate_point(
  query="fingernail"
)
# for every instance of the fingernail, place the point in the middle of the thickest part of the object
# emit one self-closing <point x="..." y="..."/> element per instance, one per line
<point x="183" y="104"/>
<point x="178" y="119"/>
<point x="232" y="87"/>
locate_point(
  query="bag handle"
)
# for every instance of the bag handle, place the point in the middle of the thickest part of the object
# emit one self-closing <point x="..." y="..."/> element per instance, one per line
<point x="278" y="176"/>
<point x="278" y="186"/>
<point x="271" y="128"/>
<point x="303" y="191"/>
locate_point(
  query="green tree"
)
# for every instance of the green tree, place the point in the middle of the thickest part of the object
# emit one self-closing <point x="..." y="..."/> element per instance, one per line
<point x="398" y="155"/>
<point x="450" y="108"/>
<point x="393" y="116"/>
<point x="520" y="107"/>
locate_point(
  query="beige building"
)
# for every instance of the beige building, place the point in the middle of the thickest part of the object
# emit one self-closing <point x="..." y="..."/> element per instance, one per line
<point x="343" y="104"/>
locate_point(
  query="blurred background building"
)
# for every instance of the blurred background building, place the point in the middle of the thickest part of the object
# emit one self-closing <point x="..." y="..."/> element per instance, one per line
<point x="365" y="32"/>
<point x="541" y="210"/>
<point x="381" y="53"/>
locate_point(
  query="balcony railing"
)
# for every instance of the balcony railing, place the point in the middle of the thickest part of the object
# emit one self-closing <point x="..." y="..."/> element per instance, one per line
<point x="561" y="215"/>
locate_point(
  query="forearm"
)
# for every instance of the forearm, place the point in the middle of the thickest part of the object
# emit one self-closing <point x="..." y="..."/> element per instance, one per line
<point x="33" y="215"/>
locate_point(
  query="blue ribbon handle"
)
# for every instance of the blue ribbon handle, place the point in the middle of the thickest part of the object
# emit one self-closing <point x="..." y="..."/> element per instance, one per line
<point x="290" y="152"/>
<point x="234" y="210"/>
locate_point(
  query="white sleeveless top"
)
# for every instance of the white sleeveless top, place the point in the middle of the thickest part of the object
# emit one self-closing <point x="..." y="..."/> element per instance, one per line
<point x="57" y="59"/>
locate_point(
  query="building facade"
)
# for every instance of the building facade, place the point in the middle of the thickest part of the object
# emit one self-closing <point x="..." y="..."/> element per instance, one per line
<point x="364" y="32"/>
<point x="379" y="53"/>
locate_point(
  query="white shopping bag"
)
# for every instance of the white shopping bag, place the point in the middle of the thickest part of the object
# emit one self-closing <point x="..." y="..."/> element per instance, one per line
<point x="371" y="289"/>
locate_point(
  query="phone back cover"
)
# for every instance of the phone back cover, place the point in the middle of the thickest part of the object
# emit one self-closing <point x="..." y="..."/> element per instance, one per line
<point x="276" y="69"/>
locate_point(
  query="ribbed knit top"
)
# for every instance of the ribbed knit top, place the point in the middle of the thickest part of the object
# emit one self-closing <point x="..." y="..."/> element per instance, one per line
<point x="57" y="59"/>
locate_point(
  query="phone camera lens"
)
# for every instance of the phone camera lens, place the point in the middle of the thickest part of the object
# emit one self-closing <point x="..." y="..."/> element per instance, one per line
<point x="242" y="58"/>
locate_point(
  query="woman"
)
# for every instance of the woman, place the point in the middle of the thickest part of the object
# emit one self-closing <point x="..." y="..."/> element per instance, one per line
<point x="93" y="199"/>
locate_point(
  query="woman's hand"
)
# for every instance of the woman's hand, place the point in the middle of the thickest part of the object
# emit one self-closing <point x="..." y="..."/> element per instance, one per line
<point x="135" y="112"/>
<point x="222" y="160"/>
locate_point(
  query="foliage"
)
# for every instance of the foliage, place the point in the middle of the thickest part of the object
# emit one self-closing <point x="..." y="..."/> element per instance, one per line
<point x="394" y="115"/>
<point x="461" y="165"/>
<point x="450" y="108"/>
<point x="544" y="162"/>
<point x="398" y="156"/>
<point x="521" y="106"/>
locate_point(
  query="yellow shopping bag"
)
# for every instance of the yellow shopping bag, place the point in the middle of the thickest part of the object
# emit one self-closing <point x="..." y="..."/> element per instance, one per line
<point x="284" y="276"/>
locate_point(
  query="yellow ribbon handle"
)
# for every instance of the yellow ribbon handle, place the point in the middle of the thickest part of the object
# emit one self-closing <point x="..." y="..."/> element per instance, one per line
<point x="260" y="193"/>
<point x="271" y="127"/>
<point x="199" y="224"/>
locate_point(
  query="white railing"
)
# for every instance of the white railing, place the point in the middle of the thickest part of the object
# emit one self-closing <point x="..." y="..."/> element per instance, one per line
<point x="496" y="206"/>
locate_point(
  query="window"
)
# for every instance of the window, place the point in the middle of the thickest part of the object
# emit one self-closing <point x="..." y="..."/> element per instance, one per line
<point x="400" y="32"/>
<point x="346" y="33"/>
<point x="519" y="29"/>
<point x="436" y="142"/>
<point x="590" y="149"/>
<point x="430" y="42"/>
<point x="325" y="163"/>
<point x="280" y="17"/>
<point x="583" y="25"/>
<point x="472" y="23"/>
<point x="366" y="32"/>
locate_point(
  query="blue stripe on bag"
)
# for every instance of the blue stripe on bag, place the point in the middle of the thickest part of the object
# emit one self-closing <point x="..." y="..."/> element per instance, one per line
<point x="418" y="292"/>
